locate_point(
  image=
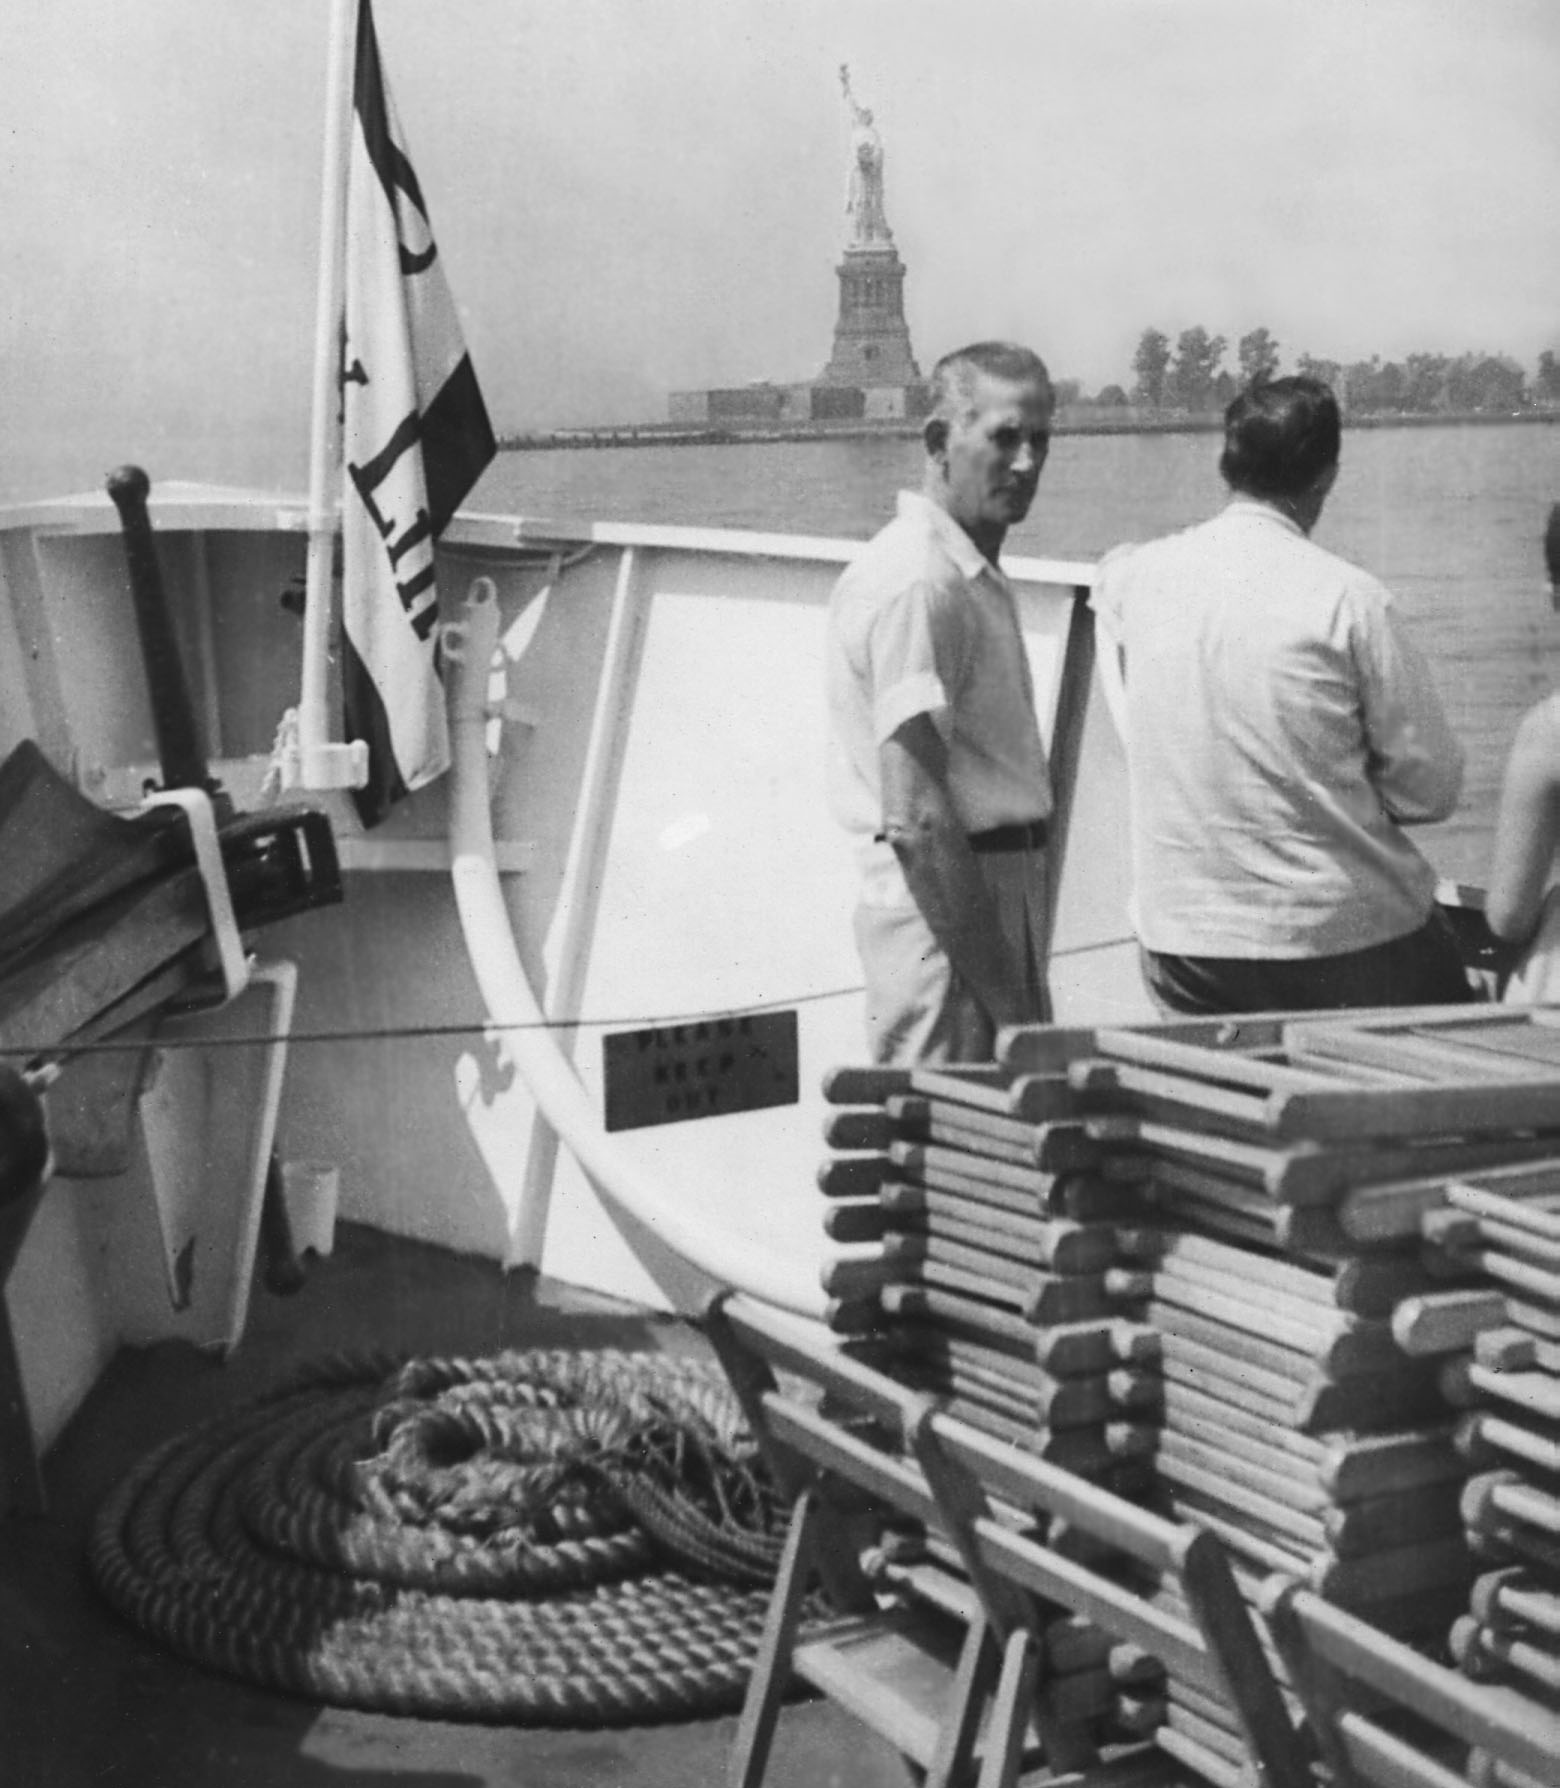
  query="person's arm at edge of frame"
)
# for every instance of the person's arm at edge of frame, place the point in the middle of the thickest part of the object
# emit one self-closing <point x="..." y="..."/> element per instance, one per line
<point x="1527" y="824"/>
<point x="939" y="867"/>
<point x="1527" y="830"/>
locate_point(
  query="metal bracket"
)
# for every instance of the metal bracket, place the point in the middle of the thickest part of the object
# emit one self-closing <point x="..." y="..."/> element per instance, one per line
<point x="232" y="958"/>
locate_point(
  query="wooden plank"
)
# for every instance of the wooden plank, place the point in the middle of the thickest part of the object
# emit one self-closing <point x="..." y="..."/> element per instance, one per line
<point x="1293" y="1176"/>
<point x="1536" y="1318"/>
<point x="1358" y="1582"/>
<point x="978" y="1197"/>
<point x="915" y="1159"/>
<point x="1504" y="1238"/>
<point x="1241" y="1667"/>
<point x="1074" y="1403"/>
<point x="1341" y="1665"/>
<point x="1361" y="1465"/>
<point x="1246" y="1211"/>
<point x="1082" y="1197"/>
<point x="1242" y="1492"/>
<point x="1362" y="1529"/>
<point x="1067" y="1345"/>
<point x="1446" y="1321"/>
<point x="1213" y="1371"/>
<point x="1066" y="1147"/>
<point x="1038" y="1049"/>
<point x="1394" y="1113"/>
<point x="1042" y="1099"/>
<point x="1338" y="1349"/>
<point x="1375" y="1285"/>
<point x="854" y="1220"/>
<point x="1534" y="1042"/>
<point x="1516" y="1597"/>
<point x="1107" y="1086"/>
<point x="1219" y="1067"/>
<point x="1267" y="1473"/>
<point x="857" y="1127"/>
<point x="1360" y="1075"/>
<point x="983" y="1086"/>
<point x="917" y="1113"/>
<point x="852" y="1316"/>
<point x="1246" y="1546"/>
<point x="864" y="1086"/>
<point x="1484" y="1653"/>
<point x="1482" y="1200"/>
<point x="1488" y="1439"/>
<point x="1370" y="1404"/>
<point x="852" y="1176"/>
<point x="1056" y="1244"/>
<point x="1293" y="1292"/>
<point x="1471" y="1020"/>
<point x="1535" y="1285"/>
<point x="915" y="1119"/>
<point x="1507" y="1494"/>
<point x="1067" y="1348"/>
<point x="1196" y="1410"/>
<point x="1170" y="1203"/>
<point x="1421" y="1054"/>
<point x="849" y="1278"/>
<point x="1243" y="1345"/>
<point x="966" y="1315"/>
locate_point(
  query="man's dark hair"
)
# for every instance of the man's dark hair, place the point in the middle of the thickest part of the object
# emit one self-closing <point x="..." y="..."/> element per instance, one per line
<point x="953" y="377"/>
<point x="1280" y="435"/>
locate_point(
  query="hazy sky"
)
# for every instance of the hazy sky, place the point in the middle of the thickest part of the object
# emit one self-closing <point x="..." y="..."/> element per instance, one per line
<point x="633" y="196"/>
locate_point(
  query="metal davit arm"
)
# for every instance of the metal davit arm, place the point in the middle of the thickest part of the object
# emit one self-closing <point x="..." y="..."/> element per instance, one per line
<point x="514" y="1010"/>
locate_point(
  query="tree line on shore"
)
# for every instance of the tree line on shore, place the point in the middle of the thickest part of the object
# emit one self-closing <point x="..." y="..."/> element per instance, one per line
<point x="1195" y="376"/>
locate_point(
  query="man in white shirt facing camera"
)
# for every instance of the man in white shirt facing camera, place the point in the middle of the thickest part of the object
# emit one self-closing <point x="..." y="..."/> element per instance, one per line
<point x="937" y="769"/>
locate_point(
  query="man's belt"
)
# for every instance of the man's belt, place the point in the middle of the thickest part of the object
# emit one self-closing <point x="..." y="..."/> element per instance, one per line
<point x="1030" y="836"/>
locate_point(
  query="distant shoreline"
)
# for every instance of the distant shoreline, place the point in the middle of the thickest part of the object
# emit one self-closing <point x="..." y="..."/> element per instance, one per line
<point x="671" y="434"/>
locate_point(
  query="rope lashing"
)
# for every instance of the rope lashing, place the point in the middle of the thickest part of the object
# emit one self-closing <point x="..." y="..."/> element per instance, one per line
<point x="534" y="1537"/>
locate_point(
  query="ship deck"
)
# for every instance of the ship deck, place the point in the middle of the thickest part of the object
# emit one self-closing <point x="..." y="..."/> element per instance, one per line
<point x="87" y="1699"/>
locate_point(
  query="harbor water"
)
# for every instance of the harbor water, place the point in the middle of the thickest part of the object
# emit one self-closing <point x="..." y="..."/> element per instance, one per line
<point x="1449" y="517"/>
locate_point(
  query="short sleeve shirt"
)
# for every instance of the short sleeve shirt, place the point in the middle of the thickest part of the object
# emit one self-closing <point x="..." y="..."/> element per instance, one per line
<point x="921" y="622"/>
<point x="1281" y="730"/>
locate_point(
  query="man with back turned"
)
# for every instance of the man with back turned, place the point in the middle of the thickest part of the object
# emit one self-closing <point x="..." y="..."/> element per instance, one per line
<point x="936" y="764"/>
<point x="1281" y="732"/>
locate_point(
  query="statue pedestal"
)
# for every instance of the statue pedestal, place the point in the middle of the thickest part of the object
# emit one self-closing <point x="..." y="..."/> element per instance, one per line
<point x="871" y="337"/>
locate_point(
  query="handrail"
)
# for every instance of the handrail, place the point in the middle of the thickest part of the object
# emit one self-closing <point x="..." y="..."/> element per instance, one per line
<point x="516" y="1015"/>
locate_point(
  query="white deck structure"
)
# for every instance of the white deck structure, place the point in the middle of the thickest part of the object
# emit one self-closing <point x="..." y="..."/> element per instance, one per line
<point x="664" y="854"/>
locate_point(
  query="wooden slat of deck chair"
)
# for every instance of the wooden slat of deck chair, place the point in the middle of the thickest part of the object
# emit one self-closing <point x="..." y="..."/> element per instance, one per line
<point x="1338" y="1664"/>
<point x="954" y="1470"/>
<point x="1221" y="1653"/>
<point x="886" y="1668"/>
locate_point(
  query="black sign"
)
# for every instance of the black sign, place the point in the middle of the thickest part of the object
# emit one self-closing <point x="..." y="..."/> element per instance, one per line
<point x="718" y="1065"/>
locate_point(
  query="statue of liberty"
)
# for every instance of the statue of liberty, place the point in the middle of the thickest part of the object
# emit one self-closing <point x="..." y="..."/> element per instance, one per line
<point x="864" y="190"/>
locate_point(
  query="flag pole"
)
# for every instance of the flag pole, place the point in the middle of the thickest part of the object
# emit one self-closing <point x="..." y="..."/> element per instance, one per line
<point x="322" y="763"/>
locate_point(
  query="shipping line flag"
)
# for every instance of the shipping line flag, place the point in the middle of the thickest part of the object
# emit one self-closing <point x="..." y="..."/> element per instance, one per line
<point x="416" y="437"/>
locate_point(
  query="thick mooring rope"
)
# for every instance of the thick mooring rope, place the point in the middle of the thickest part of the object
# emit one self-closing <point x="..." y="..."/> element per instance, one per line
<point x="536" y="1537"/>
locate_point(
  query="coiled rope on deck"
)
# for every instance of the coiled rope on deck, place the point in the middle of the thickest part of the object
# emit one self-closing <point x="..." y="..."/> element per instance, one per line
<point x="534" y="1537"/>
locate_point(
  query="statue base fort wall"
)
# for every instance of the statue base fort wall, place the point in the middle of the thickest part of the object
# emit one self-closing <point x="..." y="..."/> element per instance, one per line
<point x="871" y="375"/>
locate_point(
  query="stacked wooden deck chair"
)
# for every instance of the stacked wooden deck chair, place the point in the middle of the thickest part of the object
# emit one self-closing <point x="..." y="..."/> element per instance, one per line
<point x="991" y="1261"/>
<point x="1383" y="1715"/>
<point x="1509" y="1377"/>
<point x="1000" y="1646"/>
<point x="1269" y="1274"/>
